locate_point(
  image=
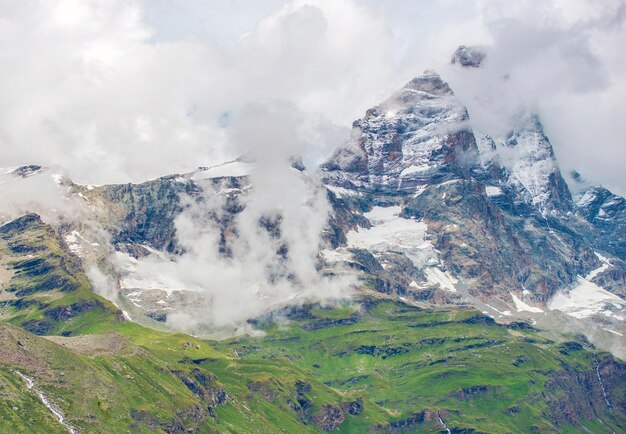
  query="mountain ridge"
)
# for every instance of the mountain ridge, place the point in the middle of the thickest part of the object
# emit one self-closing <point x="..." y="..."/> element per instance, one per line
<point x="503" y="242"/>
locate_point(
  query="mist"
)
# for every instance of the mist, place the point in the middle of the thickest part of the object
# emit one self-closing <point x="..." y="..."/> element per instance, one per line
<point x="96" y="88"/>
<point x="39" y="192"/>
<point x="267" y="256"/>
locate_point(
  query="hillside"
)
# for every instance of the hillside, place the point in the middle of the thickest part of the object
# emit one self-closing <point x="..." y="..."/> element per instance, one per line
<point x="369" y="364"/>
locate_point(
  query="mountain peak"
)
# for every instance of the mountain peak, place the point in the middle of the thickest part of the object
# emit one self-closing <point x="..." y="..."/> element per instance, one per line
<point x="532" y="167"/>
<point x="469" y="57"/>
<point x="418" y="136"/>
<point x="429" y="82"/>
<point x="26" y="171"/>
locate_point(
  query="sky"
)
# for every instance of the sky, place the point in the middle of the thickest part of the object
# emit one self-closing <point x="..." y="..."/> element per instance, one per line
<point x="121" y="91"/>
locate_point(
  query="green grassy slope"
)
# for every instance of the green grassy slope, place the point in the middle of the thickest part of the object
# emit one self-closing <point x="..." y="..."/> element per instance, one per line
<point x="458" y="364"/>
<point x="43" y="286"/>
<point x="370" y="365"/>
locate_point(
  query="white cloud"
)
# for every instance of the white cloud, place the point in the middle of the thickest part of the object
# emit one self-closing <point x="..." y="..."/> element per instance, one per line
<point x="118" y="91"/>
<point x="88" y="88"/>
<point x="268" y="264"/>
<point x="565" y="61"/>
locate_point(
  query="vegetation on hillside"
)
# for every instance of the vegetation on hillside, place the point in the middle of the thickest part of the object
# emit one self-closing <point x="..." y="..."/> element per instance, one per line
<point x="369" y="364"/>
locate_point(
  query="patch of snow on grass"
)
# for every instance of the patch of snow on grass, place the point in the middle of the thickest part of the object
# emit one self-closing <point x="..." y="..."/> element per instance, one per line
<point x="504" y="312"/>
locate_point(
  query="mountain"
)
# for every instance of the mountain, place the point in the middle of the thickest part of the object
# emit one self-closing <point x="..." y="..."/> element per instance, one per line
<point x="417" y="137"/>
<point x="529" y="170"/>
<point x="488" y="296"/>
<point x="493" y="221"/>
<point x="606" y="211"/>
<point x="469" y="57"/>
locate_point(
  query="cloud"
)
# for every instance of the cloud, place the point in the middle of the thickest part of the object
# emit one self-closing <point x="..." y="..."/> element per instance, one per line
<point x="97" y="87"/>
<point x="241" y="266"/>
<point x="38" y="193"/>
<point x="89" y="87"/>
<point x="564" y="63"/>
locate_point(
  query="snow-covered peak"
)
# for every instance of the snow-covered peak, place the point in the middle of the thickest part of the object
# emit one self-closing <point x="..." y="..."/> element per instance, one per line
<point x="607" y="212"/>
<point x="487" y="149"/>
<point x="532" y="170"/>
<point x="420" y="135"/>
<point x="26" y="171"/>
<point x="596" y="202"/>
<point x="429" y="82"/>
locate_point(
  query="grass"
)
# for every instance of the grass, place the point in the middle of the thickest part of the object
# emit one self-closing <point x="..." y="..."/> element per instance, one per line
<point x="482" y="375"/>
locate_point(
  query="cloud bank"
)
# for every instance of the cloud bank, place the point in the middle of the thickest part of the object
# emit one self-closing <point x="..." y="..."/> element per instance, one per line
<point x="124" y="91"/>
<point x="236" y="267"/>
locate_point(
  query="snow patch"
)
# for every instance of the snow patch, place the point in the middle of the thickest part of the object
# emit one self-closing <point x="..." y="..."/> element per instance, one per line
<point x="504" y="312"/>
<point x="523" y="307"/>
<point x="340" y="192"/>
<point x="586" y="299"/>
<point x="493" y="191"/>
<point x="586" y="198"/>
<point x="606" y="264"/>
<point x="231" y="168"/>
<point x="389" y="231"/>
<point x="338" y="255"/>
<point x="442" y="278"/>
<point x="152" y="272"/>
<point x="419" y="190"/>
<point x="614" y="332"/>
<point x="75" y="241"/>
<point x="415" y="169"/>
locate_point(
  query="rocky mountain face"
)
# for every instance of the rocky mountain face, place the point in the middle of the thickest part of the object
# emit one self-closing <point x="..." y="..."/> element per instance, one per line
<point x="606" y="211"/>
<point x="468" y="57"/>
<point x="423" y="208"/>
<point x="529" y="170"/>
<point x="502" y="231"/>
<point x="370" y="364"/>
<point x="418" y="137"/>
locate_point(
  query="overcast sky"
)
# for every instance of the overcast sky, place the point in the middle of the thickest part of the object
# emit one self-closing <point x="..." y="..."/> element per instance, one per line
<point x="117" y="91"/>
